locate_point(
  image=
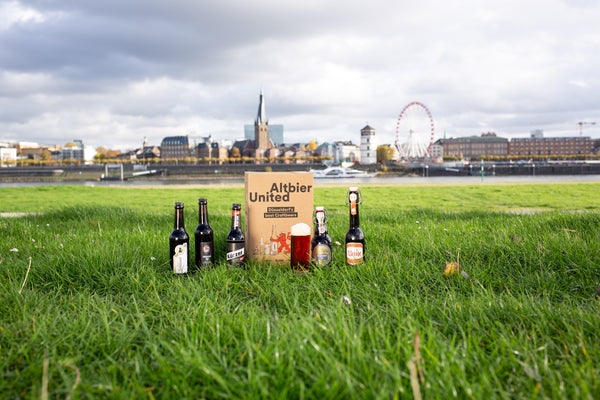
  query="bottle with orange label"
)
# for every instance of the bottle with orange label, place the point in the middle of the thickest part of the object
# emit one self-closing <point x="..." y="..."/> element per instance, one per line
<point x="355" y="238"/>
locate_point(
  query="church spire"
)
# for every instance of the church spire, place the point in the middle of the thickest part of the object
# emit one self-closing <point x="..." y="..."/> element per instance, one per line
<point x="261" y="118"/>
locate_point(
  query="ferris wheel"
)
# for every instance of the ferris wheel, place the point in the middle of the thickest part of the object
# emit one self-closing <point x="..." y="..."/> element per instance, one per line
<point x="414" y="132"/>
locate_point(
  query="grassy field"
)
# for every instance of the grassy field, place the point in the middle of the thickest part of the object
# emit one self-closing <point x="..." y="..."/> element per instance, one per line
<point x="89" y="307"/>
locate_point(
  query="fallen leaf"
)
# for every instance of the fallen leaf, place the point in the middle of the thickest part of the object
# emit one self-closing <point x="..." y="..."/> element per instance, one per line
<point x="451" y="268"/>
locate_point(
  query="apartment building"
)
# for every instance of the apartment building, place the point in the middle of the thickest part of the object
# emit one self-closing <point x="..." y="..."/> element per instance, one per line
<point x="542" y="146"/>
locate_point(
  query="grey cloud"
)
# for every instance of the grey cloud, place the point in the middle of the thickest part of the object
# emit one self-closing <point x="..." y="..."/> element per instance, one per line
<point x="93" y="68"/>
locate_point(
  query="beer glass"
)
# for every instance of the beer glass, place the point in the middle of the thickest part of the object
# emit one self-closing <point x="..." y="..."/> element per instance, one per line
<point x="300" y="237"/>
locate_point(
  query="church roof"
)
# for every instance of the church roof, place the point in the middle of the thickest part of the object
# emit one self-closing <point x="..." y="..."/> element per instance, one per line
<point x="241" y="144"/>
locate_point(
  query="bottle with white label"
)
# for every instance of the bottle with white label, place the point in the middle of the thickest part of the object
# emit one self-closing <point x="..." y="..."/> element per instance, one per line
<point x="236" y="240"/>
<point x="355" y="238"/>
<point x="179" y="243"/>
<point x="205" y="252"/>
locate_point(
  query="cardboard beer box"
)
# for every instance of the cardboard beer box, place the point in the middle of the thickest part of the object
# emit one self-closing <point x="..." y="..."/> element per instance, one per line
<point x="274" y="202"/>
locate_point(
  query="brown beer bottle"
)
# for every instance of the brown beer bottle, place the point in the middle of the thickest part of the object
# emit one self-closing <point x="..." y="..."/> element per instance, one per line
<point x="321" y="243"/>
<point x="179" y="243"/>
<point x="203" y="235"/>
<point x="355" y="238"/>
<point x="236" y="240"/>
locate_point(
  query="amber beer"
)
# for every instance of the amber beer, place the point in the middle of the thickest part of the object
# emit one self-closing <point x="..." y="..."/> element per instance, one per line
<point x="355" y="238"/>
<point x="300" y="254"/>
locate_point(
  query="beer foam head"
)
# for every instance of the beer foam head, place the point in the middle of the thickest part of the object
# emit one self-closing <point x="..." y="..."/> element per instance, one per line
<point x="300" y="229"/>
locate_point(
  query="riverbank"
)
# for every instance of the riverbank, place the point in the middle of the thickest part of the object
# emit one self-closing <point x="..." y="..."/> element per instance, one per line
<point x="205" y="172"/>
<point x="386" y="180"/>
<point x="203" y="175"/>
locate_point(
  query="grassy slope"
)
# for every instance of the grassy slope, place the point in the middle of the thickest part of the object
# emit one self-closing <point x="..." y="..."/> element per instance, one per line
<point x="100" y="301"/>
<point x="562" y="196"/>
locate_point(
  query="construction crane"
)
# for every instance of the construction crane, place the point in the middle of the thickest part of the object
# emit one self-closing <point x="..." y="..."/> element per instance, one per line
<point x="581" y="123"/>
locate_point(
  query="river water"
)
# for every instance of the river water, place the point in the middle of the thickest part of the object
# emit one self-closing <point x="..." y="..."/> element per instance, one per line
<point x="344" y="181"/>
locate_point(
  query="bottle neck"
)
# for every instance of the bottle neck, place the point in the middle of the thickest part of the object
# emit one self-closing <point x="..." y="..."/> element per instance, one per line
<point x="354" y="215"/>
<point x="320" y="226"/>
<point x="203" y="217"/>
<point x="236" y="219"/>
<point x="179" y="222"/>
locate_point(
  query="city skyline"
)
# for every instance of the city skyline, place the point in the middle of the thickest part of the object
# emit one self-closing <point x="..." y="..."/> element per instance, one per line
<point x="114" y="73"/>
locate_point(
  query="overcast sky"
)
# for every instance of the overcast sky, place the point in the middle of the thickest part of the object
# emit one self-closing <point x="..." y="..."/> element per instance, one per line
<point x="111" y="72"/>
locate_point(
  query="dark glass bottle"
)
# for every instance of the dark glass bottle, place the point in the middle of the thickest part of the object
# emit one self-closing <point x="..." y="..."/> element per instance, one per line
<point x="321" y="245"/>
<point x="235" y="239"/>
<point x="355" y="238"/>
<point x="179" y="243"/>
<point x="203" y="235"/>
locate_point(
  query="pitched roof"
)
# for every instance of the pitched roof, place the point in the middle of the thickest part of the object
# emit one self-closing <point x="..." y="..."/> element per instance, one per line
<point x="174" y="140"/>
<point x="242" y="144"/>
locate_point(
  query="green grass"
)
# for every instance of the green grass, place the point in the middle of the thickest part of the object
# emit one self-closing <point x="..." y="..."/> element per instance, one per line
<point x="102" y="310"/>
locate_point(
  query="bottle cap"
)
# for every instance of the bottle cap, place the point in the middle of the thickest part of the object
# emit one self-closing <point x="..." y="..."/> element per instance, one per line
<point x="353" y="195"/>
<point x="202" y="201"/>
<point x="178" y="204"/>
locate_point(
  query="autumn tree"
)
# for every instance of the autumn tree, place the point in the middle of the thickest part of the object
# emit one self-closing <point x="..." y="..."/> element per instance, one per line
<point x="384" y="153"/>
<point x="102" y="153"/>
<point x="112" y="153"/>
<point x="46" y="155"/>
<point x="235" y="153"/>
<point x="312" y="145"/>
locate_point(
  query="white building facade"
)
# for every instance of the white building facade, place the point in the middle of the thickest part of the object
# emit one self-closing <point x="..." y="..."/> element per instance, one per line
<point x="8" y="156"/>
<point x="368" y="145"/>
<point x="346" y="152"/>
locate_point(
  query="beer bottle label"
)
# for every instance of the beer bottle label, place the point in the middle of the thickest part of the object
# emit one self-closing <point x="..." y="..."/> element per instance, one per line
<point x="354" y="253"/>
<point x="237" y="217"/>
<point x="322" y="254"/>
<point x="180" y="259"/>
<point x="205" y="253"/>
<point x="235" y="253"/>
